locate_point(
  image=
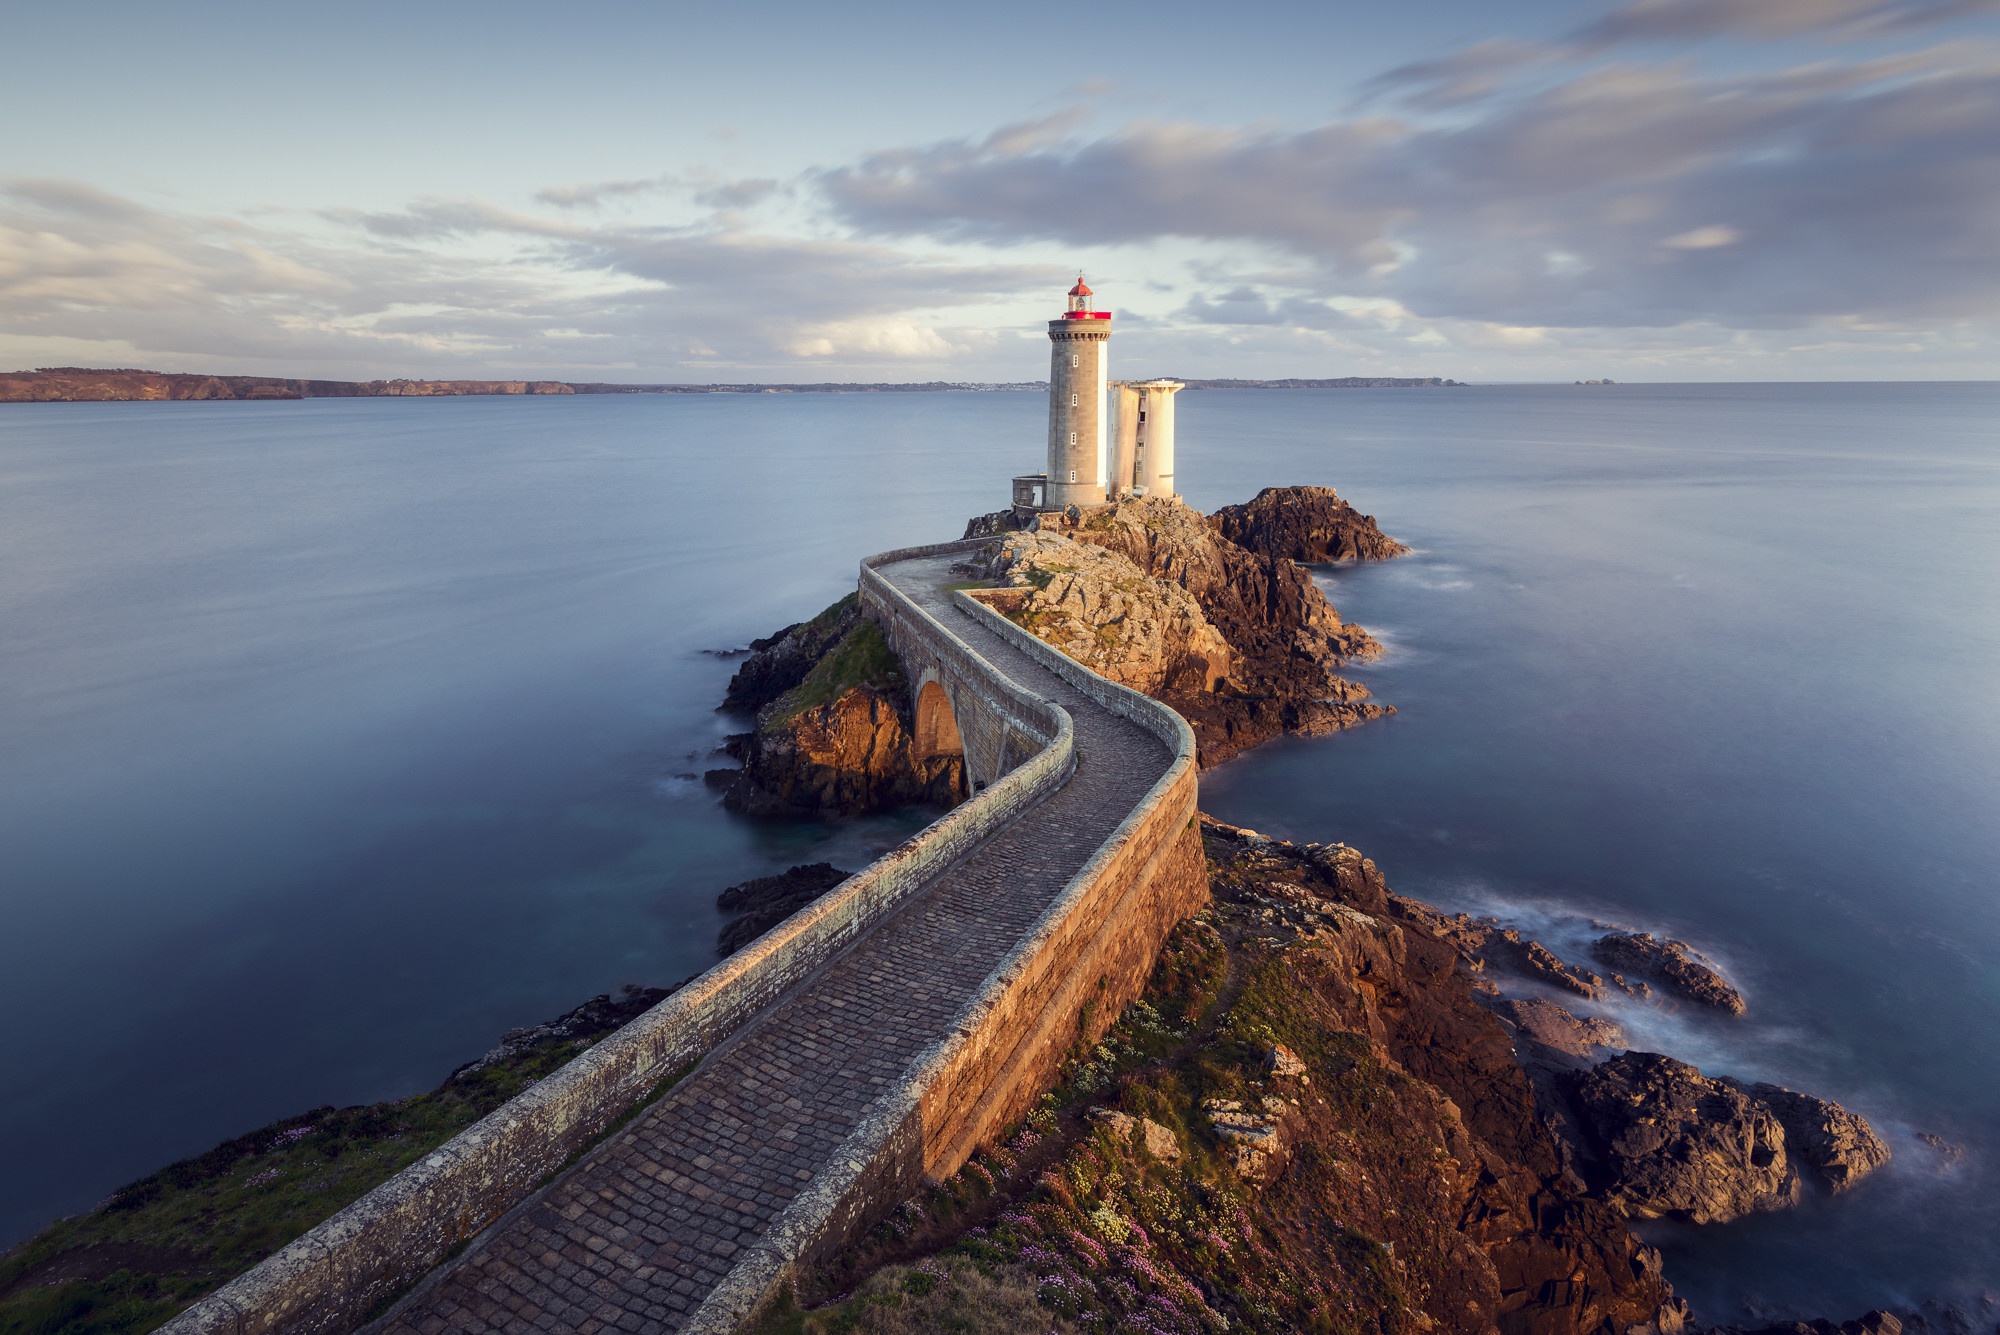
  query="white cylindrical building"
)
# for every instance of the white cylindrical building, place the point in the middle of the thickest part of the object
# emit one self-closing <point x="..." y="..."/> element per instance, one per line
<point x="1079" y="429"/>
<point x="1153" y="454"/>
<point x="1124" y="440"/>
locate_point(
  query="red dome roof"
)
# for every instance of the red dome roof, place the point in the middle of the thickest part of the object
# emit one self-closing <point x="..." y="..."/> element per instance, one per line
<point x="1080" y="290"/>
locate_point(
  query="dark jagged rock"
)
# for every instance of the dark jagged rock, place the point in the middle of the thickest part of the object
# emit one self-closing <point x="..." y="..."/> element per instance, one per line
<point x="998" y="524"/>
<point x="763" y="903"/>
<point x="1668" y="1140"/>
<point x="1838" y="1145"/>
<point x="779" y="662"/>
<point x="1873" y="1323"/>
<point x="1308" y="524"/>
<point x="1675" y="964"/>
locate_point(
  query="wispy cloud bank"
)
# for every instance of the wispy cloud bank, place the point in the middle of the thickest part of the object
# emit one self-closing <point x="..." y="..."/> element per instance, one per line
<point x="1622" y="195"/>
<point x="458" y="285"/>
<point x="1511" y="199"/>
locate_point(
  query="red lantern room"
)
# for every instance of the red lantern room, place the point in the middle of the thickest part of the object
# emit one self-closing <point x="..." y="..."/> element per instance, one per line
<point x="1079" y="304"/>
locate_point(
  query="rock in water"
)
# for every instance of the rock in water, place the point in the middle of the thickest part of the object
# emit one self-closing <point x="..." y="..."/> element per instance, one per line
<point x="839" y="742"/>
<point x="1561" y="1038"/>
<point x="1672" y="1141"/>
<point x="1674" y="963"/>
<point x="769" y="900"/>
<point x="1839" y="1145"/>
<point x="1309" y="524"/>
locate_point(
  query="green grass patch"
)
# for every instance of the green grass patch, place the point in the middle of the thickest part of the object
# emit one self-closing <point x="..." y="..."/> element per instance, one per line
<point x="862" y="658"/>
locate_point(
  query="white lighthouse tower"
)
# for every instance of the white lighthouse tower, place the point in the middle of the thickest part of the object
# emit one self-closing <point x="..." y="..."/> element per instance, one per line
<point x="1107" y="441"/>
<point x="1079" y="427"/>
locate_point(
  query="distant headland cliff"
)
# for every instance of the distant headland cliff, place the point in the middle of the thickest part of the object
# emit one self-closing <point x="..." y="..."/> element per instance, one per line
<point x="79" y="384"/>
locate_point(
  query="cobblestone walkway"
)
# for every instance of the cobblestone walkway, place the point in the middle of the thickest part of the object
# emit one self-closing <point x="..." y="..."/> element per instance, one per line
<point x="635" y="1236"/>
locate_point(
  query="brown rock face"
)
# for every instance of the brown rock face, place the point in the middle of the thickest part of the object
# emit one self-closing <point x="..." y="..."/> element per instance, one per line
<point x="847" y="757"/>
<point x="1560" y="1037"/>
<point x="1672" y="1141"/>
<point x="1308" y="524"/>
<point x="834" y="735"/>
<point x="1489" y="1229"/>
<point x="1103" y="611"/>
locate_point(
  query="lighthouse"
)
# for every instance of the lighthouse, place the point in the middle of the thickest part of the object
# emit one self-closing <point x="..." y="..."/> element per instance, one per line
<point x="1079" y="428"/>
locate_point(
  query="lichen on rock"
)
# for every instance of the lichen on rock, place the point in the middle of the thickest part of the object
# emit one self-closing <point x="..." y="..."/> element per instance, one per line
<point x="1105" y="612"/>
<point x="1261" y="660"/>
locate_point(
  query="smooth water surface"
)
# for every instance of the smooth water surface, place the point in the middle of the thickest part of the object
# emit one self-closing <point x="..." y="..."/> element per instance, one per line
<point x="343" y="735"/>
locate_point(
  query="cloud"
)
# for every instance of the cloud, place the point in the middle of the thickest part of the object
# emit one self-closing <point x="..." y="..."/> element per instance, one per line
<point x="1867" y="189"/>
<point x="1704" y="238"/>
<point x="463" y="286"/>
<point x="1685" y="20"/>
<point x="593" y="195"/>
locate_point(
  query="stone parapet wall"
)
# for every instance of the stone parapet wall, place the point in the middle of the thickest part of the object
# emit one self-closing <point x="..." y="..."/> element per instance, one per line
<point x="1066" y="982"/>
<point x="334" y="1276"/>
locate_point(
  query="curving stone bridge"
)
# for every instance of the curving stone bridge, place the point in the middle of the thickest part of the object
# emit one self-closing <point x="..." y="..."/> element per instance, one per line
<point x="873" y="1040"/>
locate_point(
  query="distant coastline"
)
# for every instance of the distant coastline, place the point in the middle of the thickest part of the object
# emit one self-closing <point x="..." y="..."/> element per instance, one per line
<point x="78" y="384"/>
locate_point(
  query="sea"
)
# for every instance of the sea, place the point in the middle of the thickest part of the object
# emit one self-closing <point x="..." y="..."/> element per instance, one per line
<point x="338" y="737"/>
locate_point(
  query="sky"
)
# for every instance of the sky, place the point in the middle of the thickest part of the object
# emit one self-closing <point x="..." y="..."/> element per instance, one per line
<point x="1525" y="191"/>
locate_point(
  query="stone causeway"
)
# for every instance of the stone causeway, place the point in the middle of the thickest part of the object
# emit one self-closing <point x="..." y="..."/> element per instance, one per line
<point x="884" y="1059"/>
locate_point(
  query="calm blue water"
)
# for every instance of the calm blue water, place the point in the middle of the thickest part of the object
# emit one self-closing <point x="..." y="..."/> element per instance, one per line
<point x="341" y="736"/>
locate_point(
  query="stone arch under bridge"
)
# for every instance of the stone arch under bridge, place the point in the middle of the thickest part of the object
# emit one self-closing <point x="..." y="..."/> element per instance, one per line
<point x="953" y="701"/>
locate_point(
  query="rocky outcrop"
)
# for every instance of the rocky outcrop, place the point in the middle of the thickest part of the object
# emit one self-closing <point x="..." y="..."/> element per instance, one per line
<point x="1284" y="640"/>
<point x="1489" y="942"/>
<point x="1307" y="524"/>
<point x="1674" y="964"/>
<point x="1836" y="1144"/>
<point x="849" y="756"/>
<point x="1558" y="1037"/>
<point x="1103" y="611"/>
<point x="1158" y="1141"/>
<point x="836" y="741"/>
<point x="1491" y="1228"/>
<point x="763" y="903"/>
<point x="1668" y="1140"/>
<point x="1252" y="1134"/>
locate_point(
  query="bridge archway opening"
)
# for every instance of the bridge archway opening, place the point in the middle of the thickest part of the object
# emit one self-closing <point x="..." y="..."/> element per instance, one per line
<point x="937" y="726"/>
